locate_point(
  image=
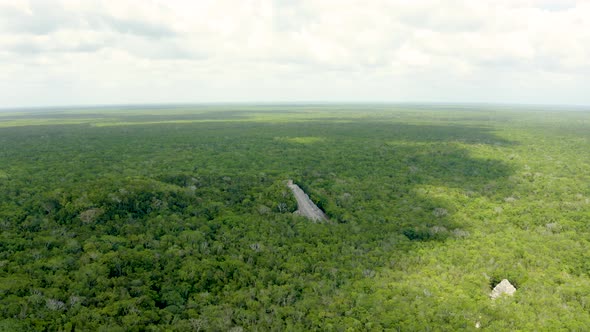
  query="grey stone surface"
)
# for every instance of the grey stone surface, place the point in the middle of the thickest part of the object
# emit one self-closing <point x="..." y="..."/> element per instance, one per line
<point x="305" y="206"/>
<point x="504" y="287"/>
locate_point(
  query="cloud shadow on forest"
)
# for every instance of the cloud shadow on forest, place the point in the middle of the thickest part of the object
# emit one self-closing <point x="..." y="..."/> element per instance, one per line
<point x="362" y="165"/>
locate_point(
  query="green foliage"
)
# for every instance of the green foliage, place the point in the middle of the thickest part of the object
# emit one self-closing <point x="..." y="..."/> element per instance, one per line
<point x="182" y="220"/>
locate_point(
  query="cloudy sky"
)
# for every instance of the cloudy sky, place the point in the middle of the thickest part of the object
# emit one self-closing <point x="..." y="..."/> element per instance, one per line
<point x="65" y="52"/>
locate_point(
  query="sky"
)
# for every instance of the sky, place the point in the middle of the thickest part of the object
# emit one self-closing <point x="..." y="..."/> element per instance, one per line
<point x="65" y="52"/>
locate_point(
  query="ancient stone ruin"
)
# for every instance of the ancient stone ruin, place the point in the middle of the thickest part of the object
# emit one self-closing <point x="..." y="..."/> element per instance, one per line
<point x="504" y="287"/>
<point x="305" y="206"/>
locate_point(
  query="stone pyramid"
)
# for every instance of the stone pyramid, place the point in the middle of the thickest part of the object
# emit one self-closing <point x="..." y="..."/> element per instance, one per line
<point x="504" y="287"/>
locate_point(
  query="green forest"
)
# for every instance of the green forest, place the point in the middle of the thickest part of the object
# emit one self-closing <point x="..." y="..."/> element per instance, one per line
<point x="180" y="218"/>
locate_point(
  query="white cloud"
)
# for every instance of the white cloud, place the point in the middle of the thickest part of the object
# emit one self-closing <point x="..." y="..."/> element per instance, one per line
<point x="228" y="50"/>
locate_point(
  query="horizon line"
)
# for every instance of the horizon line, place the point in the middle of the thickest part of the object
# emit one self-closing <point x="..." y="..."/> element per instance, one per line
<point x="290" y="103"/>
